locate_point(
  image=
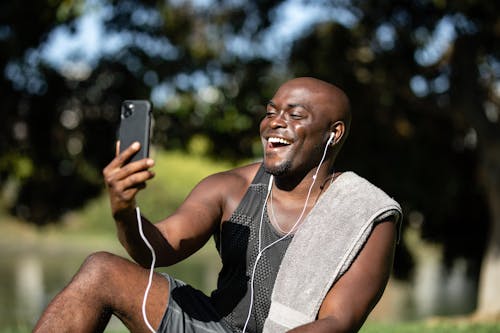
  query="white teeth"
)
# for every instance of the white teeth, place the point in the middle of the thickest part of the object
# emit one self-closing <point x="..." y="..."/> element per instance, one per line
<point x="279" y="140"/>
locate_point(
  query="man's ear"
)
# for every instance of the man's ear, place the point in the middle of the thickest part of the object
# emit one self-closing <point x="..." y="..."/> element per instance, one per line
<point x="338" y="130"/>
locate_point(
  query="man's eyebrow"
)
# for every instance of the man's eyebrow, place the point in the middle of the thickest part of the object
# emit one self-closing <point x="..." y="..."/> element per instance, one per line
<point x="289" y="106"/>
<point x="294" y="105"/>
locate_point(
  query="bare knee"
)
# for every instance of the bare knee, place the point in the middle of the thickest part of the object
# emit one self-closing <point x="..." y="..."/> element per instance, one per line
<point x="101" y="259"/>
<point x="99" y="268"/>
<point x="84" y="305"/>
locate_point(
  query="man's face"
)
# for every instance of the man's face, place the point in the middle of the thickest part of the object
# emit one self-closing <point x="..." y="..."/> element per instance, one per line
<point x="294" y="129"/>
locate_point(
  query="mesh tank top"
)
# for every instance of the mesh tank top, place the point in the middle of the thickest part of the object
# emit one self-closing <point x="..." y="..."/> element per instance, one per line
<point x="238" y="246"/>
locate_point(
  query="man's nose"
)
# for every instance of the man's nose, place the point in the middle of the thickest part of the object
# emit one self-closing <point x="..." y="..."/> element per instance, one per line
<point x="279" y="120"/>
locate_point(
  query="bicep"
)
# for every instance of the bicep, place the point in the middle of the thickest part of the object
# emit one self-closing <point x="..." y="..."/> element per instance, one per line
<point x="353" y="296"/>
<point x="192" y="224"/>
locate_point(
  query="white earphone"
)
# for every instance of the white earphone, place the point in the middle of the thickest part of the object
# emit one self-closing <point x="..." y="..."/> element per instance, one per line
<point x="261" y="250"/>
<point x="330" y="139"/>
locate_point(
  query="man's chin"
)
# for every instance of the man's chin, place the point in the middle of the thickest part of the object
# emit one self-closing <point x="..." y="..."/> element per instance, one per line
<point x="279" y="169"/>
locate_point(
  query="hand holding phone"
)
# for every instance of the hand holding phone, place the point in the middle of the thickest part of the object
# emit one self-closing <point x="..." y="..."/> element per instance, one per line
<point x="124" y="183"/>
<point x="135" y="126"/>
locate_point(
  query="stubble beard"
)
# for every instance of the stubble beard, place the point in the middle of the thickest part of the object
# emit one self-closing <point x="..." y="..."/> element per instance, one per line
<point x="284" y="168"/>
<point x="279" y="170"/>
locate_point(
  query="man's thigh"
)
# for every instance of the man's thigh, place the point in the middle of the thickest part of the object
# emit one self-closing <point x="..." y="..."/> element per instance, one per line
<point x="122" y="288"/>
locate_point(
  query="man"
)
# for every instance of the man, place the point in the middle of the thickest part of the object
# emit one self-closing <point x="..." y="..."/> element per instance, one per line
<point x="253" y="216"/>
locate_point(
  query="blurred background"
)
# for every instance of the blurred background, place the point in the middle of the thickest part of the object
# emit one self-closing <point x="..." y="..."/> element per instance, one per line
<point x="423" y="77"/>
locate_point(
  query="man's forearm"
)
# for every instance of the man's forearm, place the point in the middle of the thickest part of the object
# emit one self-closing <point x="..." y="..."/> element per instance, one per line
<point x="130" y="238"/>
<point x="326" y="325"/>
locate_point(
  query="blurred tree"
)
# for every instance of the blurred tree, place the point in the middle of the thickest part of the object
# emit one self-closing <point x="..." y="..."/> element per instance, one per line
<point x="24" y="96"/>
<point x="422" y="75"/>
<point x="61" y="113"/>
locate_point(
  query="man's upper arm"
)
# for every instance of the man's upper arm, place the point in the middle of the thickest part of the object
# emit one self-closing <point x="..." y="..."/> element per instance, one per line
<point x="353" y="296"/>
<point x="192" y="224"/>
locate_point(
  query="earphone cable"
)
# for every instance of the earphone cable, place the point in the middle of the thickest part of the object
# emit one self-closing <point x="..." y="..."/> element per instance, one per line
<point x="261" y="251"/>
<point x="151" y="269"/>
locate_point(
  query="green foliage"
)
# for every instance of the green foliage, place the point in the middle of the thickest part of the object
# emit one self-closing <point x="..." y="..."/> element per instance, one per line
<point x="425" y="129"/>
<point x="176" y="173"/>
<point x="22" y="167"/>
<point x="414" y="143"/>
<point x="63" y="117"/>
<point x="430" y="327"/>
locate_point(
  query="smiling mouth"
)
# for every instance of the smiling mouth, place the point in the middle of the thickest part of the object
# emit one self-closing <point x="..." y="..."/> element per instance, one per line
<point x="275" y="142"/>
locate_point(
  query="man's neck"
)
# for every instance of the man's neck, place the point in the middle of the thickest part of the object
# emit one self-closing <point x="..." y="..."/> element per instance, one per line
<point x="297" y="188"/>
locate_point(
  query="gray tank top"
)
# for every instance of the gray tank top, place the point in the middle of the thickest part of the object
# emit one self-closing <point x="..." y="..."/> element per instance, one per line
<point x="238" y="246"/>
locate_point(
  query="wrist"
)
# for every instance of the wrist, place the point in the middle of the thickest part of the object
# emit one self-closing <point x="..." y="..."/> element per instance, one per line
<point x="125" y="213"/>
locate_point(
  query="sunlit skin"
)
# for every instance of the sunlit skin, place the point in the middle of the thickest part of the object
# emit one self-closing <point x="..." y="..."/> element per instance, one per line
<point x="300" y="117"/>
<point x="302" y="113"/>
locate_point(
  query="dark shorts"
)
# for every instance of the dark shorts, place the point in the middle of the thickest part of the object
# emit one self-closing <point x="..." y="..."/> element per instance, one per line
<point x="190" y="311"/>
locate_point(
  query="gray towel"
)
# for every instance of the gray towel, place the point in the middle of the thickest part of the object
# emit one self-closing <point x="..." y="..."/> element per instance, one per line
<point x="324" y="247"/>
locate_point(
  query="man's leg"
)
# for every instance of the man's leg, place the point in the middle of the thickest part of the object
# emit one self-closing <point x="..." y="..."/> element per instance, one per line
<point x="106" y="284"/>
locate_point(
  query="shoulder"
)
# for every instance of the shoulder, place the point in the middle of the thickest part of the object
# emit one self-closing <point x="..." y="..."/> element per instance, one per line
<point x="359" y="189"/>
<point x="230" y="186"/>
<point x="369" y="199"/>
<point x="240" y="177"/>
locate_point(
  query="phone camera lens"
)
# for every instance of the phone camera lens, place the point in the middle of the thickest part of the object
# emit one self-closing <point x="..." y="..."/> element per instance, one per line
<point x="129" y="109"/>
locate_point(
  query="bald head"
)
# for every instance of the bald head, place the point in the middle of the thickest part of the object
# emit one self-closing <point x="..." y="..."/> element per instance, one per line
<point x="329" y="100"/>
<point x="305" y="119"/>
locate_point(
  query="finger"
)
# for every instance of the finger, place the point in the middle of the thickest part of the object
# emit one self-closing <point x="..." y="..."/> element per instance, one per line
<point x="128" y="175"/>
<point x="135" y="167"/>
<point x="136" y="179"/>
<point x="125" y="155"/>
<point x="125" y="190"/>
<point x="130" y="193"/>
<point x="117" y="148"/>
<point x="120" y="186"/>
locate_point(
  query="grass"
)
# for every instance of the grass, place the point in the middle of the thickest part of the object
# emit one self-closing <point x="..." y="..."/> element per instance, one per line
<point x="410" y="327"/>
<point x="92" y="228"/>
<point x="175" y="175"/>
<point x="444" y="326"/>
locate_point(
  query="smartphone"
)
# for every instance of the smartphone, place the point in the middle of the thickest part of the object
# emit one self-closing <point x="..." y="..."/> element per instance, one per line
<point x="135" y="125"/>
